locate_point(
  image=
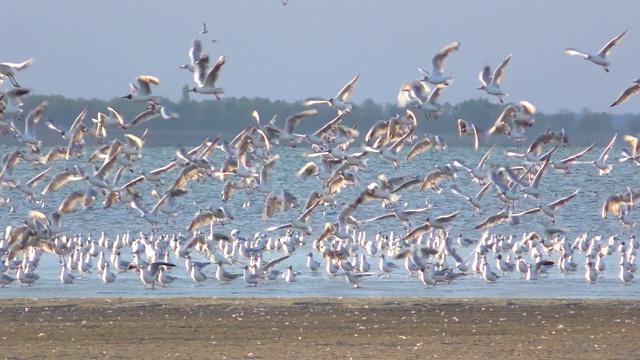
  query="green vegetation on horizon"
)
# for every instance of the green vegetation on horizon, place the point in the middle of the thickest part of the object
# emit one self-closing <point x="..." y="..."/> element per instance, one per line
<point x="202" y="118"/>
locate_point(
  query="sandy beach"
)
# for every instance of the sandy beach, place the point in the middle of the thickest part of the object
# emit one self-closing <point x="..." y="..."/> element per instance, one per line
<point x="318" y="328"/>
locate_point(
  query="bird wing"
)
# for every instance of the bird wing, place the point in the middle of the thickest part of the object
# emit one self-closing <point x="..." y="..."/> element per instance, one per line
<point x="604" y="52"/>
<point x="202" y="219"/>
<point x="630" y="91"/>
<point x="381" y="217"/>
<point x="462" y="127"/>
<point x="145" y="81"/>
<point x="485" y="75"/>
<point x="106" y="168"/>
<point x="67" y="205"/>
<point x="34" y="116"/>
<point x="274" y="262"/>
<point x="501" y="123"/>
<point x="79" y="119"/>
<point x="435" y="95"/>
<point x="59" y="180"/>
<point x="212" y="75"/>
<point x="36" y="179"/>
<point x="116" y="115"/>
<point x="448" y="217"/>
<point x="561" y="202"/>
<point x="314" y="101"/>
<point x="456" y="191"/>
<point x="483" y="191"/>
<point x="344" y="93"/>
<point x="195" y="52"/>
<point x="441" y="56"/>
<point x="606" y="150"/>
<point x="527" y="107"/>
<point x="576" y="156"/>
<point x="283" y="226"/>
<point x="419" y="147"/>
<point x="499" y="73"/>
<point x="292" y="121"/>
<point x="571" y="51"/>
<point x="493" y="220"/>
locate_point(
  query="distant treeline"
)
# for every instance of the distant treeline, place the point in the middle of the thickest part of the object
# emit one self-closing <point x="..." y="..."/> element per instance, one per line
<point x="208" y="118"/>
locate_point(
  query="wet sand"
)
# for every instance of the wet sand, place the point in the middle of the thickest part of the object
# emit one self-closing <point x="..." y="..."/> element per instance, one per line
<point x="318" y="328"/>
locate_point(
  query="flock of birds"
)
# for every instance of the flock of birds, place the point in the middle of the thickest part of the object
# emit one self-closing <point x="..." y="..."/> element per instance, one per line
<point x="427" y="246"/>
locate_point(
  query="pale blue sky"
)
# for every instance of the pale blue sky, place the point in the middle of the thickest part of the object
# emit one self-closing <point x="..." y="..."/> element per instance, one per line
<point x="313" y="47"/>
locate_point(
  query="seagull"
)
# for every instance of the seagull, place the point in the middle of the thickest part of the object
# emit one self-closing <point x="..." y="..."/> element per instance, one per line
<point x="430" y="107"/>
<point x="410" y="93"/>
<point x="339" y="101"/>
<point x="355" y="279"/>
<point x="209" y="84"/>
<point x="401" y="213"/>
<point x="475" y="200"/>
<point x="437" y="77"/>
<point x="491" y="82"/>
<point x="13" y="105"/>
<point x="550" y="209"/>
<point x="151" y="216"/>
<point x="630" y="91"/>
<point x="8" y="70"/>
<point x="524" y="116"/>
<point x="601" y="57"/>
<point x="142" y="92"/>
<point x="223" y="276"/>
<point x="471" y="130"/>
<point x="204" y="29"/>
<point x="566" y="162"/>
<point x="29" y="135"/>
<point x="601" y="162"/>
<point x="500" y="125"/>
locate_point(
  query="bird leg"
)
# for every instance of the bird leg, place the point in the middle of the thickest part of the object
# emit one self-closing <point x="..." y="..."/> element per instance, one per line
<point x="15" y="83"/>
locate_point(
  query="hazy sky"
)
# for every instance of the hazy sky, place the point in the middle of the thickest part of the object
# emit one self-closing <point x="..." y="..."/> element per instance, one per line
<point x="313" y="47"/>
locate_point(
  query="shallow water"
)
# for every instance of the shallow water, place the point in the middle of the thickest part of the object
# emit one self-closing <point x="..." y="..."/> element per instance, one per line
<point x="581" y="215"/>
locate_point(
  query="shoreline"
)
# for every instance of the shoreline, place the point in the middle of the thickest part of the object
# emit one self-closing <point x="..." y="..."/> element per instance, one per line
<point x="319" y="327"/>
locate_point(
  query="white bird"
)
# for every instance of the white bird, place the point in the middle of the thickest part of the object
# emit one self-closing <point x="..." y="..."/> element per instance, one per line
<point x="209" y="84"/>
<point x="204" y="29"/>
<point x="628" y="92"/>
<point x="487" y="274"/>
<point x="601" y="57"/>
<point x="355" y="279"/>
<point x="107" y="275"/>
<point x="312" y="264"/>
<point x="412" y="93"/>
<point x="250" y="278"/>
<point x="426" y="276"/>
<point x="338" y="102"/>
<point x="475" y="200"/>
<point x="437" y="76"/>
<point x="197" y="275"/>
<point x="13" y="103"/>
<point x="223" y="276"/>
<point x="430" y="107"/>
<point x="9" y="69"/>
<point x="601" y="162"/>
<point x="491" y="82"/>
<point x="590" y="274"/>
<point x="151" y="216"/>
<point x="290" y="275"/>
<point x="142" y="92"/>
<point x="625" y="276"/>
<point x="65" y="276"/>
<point x="29" y="135"/>
<point x="164" y="278"/>
<point x="386" y="267"/>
